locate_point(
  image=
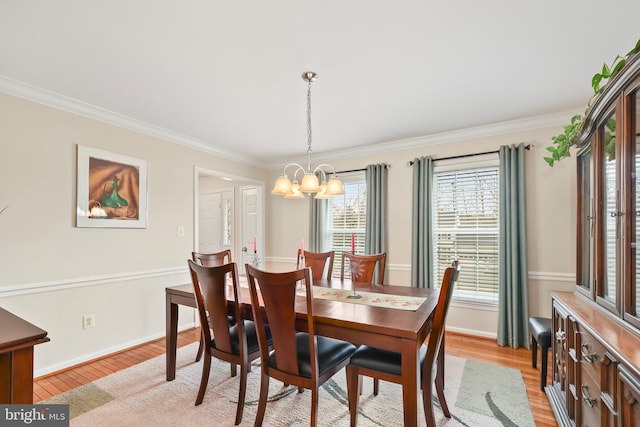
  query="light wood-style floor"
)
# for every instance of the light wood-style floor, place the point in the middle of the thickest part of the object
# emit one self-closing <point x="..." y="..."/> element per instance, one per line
<point x="456" y="344"/>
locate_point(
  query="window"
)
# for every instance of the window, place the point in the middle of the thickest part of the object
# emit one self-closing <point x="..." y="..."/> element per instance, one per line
<point x="465" y="227"/>
<point x="347" y="218"/>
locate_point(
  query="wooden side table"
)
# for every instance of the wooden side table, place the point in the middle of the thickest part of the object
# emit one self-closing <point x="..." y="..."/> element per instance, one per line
<point x="17" y="338"/>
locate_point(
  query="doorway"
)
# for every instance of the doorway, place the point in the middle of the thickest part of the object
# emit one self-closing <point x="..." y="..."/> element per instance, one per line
<point x="229" y="214"/>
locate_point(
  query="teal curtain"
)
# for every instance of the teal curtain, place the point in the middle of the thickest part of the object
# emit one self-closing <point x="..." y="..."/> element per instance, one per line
<point x="421" y="226"/>
<point x="513" y="305"/>
<point x="375" y="240"/>
<point x="318" y="209"/>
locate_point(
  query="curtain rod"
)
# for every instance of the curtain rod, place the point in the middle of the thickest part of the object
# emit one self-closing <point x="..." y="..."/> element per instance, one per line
<point x="388" y="166"/>
<point x="461" y="156"/>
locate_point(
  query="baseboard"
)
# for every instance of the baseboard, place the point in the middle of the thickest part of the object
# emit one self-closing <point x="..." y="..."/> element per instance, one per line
<point x="90" y="357"/>
<point x="472" y="332"/>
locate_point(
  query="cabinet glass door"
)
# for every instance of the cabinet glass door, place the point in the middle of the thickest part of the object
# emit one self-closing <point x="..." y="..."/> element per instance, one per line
<point x="585" y="221"/>
<point x="611" y="220"/>
<point x="633" y="296"/>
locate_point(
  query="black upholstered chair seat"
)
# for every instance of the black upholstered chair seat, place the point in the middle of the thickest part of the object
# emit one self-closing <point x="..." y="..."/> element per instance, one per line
<point x="252" y="337"/>
<point x="381" y="360"/>
<point x="541" y="330"/>
<point x="330" y="353"/>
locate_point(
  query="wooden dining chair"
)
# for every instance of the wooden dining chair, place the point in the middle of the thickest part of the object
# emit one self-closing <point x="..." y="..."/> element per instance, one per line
<point x="302" y="359"/>
<point x="318" y="261"/>
<point x="363" y="267"/>
<point x="215" y="259"/>
<point x="212" y="259"/>
<point x="236" y="344"/>
<point x="387" y="365"/>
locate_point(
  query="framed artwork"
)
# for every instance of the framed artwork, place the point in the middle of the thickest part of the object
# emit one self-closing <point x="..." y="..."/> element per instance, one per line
<point x="112" y="190"/>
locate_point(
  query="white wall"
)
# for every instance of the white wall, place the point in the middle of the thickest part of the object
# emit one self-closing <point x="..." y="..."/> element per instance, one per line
<point x="51" y="273"/>
<point x="551" y="195"/>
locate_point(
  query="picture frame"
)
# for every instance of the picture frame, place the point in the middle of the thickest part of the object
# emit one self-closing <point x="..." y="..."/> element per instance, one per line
<point x="111" y="189"/>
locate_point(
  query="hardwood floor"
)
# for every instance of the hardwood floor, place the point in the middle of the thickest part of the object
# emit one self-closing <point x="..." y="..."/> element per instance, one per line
<point x="465" y="346"/>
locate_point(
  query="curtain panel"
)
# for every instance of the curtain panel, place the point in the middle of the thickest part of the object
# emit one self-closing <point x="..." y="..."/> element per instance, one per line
<point x="421" y="226"/>
<point x="375" y="240"/>
<point x="513" y="306"/>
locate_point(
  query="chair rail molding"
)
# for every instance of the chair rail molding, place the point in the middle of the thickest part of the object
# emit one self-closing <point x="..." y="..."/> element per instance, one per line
<point x="79" y="282"/>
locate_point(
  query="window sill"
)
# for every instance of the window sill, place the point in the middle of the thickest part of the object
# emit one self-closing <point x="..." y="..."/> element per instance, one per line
<point x="475" y="303"/>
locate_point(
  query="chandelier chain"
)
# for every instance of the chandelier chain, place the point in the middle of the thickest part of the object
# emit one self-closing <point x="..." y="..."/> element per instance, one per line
<point x="309" y="133"/>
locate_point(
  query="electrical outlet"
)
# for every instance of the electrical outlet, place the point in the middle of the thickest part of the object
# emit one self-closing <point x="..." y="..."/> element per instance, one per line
<point x="88" y="321"/>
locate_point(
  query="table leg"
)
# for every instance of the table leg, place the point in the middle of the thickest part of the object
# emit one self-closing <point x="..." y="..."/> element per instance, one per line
<point x="171" y="337"/>
<point x="410" y="382"/>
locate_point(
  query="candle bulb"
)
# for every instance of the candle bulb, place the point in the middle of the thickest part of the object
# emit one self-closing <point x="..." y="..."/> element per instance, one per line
<point x="353" y="243"/>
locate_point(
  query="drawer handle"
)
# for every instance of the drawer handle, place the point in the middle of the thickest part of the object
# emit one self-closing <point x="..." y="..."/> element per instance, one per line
<point x="589" y="401"/>
<point x="587" y="354"/>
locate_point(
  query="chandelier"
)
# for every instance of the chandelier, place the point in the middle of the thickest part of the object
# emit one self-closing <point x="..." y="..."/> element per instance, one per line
<point x="323" y="188"/>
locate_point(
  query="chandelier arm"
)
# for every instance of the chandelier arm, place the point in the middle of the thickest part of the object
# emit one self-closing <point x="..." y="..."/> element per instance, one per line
<point x="319" y="167"/>
<point x="284" y="170"/>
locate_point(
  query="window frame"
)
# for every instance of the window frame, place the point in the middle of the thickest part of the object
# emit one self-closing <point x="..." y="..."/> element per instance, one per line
<point x="485" y="162"/>
<point x="348" y="180"/>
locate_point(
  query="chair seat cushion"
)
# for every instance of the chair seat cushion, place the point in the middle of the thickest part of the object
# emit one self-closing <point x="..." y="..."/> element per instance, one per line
<point x="252" y="337"/>
<point x="540" y="328"/>
<point x="331" y="352"/>
<point x="381" y="360"/>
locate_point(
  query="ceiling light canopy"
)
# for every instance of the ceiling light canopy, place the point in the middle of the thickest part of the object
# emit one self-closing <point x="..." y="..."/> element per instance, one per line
<point x="313" y="180"/>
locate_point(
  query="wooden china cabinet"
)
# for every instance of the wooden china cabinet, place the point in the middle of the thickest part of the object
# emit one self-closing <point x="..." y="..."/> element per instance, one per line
<point x="596" y="348"/>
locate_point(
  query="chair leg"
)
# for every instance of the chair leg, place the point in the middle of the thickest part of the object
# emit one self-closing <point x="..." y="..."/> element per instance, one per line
<point x="241" y="392"/>
<point x="441" y="399"/>
<point x="543" y="371"/>
<point x="234" y="370"/>
<point x="354" y="388"/>
<point x="427" y="402"/>
<point x="262" y="404"/>
<point x="314" y="407"/>
<point x="206" y="366"/>
<point x="200" y="349"/>
<point x="534" y="352"/>
<point x="376" y="386"/>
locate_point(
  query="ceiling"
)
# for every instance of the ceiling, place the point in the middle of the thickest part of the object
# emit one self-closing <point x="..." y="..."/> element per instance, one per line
<point x="225" y="76"/>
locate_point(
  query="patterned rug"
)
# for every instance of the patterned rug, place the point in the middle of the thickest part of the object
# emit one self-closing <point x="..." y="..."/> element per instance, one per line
<point x="478" y="394"/>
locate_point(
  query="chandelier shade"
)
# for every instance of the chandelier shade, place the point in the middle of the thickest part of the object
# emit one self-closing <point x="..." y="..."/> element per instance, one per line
<point x="313" y="180"/>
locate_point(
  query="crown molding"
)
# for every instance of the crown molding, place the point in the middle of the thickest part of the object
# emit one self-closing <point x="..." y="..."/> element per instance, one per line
<point x="71" y="105"/>
<point x="520" y="125"/>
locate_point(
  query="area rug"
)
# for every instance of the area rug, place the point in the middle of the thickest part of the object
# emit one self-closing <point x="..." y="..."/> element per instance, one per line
<point x="478" y="394"/>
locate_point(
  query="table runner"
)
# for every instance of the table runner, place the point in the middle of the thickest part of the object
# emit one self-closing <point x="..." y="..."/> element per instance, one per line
<point x="401" y="302"/>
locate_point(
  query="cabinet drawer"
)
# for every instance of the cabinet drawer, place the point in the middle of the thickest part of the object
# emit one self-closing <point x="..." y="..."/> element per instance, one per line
<point x="591" y="354"/>
<point x="589" y="395"/>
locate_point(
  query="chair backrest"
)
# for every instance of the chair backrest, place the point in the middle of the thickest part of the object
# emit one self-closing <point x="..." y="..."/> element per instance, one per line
<point x="449" y="280"/>
<point x="363" y="266"/>
<point x="318" y="261"/>
<point x="210" y="288"/>
<point x="215" y="259"/>
<point x="278" y="293"/>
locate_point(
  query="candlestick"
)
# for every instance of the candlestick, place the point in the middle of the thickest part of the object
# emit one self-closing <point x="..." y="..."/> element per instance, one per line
<point x="255" y="246"/>
<point x="353" y="243"/>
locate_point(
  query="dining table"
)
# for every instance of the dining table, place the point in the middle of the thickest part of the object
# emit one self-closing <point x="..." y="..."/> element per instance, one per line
<point x="391" y="317"/>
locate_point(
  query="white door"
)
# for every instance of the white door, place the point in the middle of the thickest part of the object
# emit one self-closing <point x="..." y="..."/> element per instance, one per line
<point x="210" y="222"/>
<point x="252" y="226"/>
